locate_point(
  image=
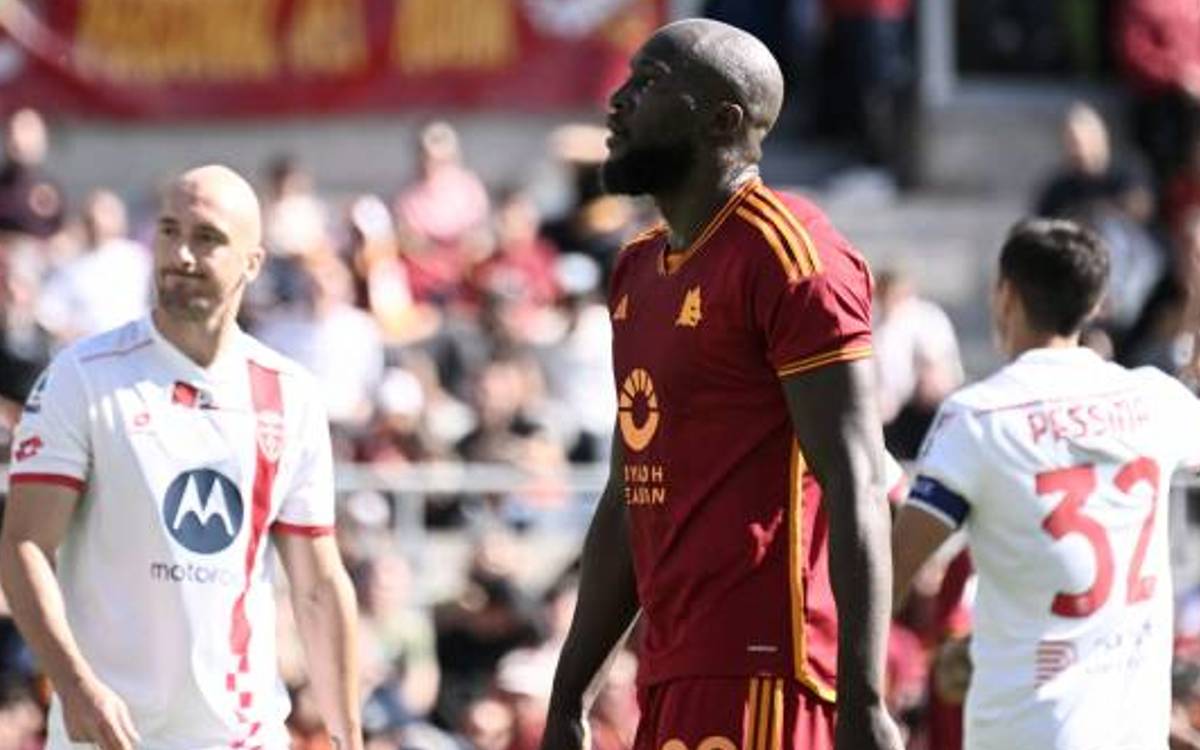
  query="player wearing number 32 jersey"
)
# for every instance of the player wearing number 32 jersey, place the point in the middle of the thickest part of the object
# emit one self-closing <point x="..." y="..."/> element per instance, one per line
<point x="1057" y="467"/>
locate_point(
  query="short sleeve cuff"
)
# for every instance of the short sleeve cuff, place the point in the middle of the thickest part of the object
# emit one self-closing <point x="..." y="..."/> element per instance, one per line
<point x="841" y="354"/>
<point x="300" y="529"/>
<point x="939" y="501"/>
<point x="36" y="477"/>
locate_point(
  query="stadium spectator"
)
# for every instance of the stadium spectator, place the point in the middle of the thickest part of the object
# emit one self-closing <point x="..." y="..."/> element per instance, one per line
<point x="578" y="362"/>
<point x="21" y="718"/>
<point x="1138" y="259"/>
<point x="1088" y="175"/>
<point x="1159" y="336"/>
<point x="401" y="631"/>
<point x="106" y="285"/>
<point x="94" y="507"/>
<point x="488" y="724"/>
<point x="437" y="212"/>
<point x="381" y="283"/>
<point x="397" y="433"/>
<point x="523" y="260"/>
<point x="917" y="361"/>
<point x="31" y="201"/>
<point x="1159" y="46"/>
<point x="1182" y="194"/>
<point x="295" y="219"/>
<point x="741" y="329"/>
<point x="491" y="616"/>
<point x="870" y="78"/>
<point x="25" y="345"/>
<point x="336" y="341"/>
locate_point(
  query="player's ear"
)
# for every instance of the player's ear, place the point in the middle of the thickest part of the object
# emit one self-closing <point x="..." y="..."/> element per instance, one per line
<point x="254" y="263"/>
<point x="728" y="121"/>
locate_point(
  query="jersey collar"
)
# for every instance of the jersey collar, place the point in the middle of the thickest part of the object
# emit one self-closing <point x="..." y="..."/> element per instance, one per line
<point x="1073" y="355"/>
<point x="229" y="364"/>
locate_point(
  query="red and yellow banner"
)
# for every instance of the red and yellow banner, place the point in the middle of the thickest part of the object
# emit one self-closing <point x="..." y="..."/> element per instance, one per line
<point x="161" y="59"/>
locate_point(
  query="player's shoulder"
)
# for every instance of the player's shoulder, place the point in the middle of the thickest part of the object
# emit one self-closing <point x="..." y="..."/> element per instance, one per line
<point x="796" y="235"/>
<point x="648" y="240"/>
<point x="975" y="400"/>
<point x="111" y="346"/>
<point x="288" y="369"/>
<point x="1160" y="385"/>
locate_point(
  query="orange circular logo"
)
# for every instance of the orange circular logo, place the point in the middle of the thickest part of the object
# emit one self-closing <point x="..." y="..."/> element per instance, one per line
<point x="638" y="387"/>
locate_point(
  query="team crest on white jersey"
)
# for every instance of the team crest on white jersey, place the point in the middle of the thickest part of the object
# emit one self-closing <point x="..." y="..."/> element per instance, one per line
<point x="269" y="434"/>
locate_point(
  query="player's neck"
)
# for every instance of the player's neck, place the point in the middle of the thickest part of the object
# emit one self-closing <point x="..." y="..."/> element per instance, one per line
<point x="1025" y="341"/>
<point x="689" y="209"/>
<point x="199" y="340"/>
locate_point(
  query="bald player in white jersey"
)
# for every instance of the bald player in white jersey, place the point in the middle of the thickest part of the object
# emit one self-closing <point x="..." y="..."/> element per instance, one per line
<point x="154" y="469"/>
<point x="1057" y="467"/>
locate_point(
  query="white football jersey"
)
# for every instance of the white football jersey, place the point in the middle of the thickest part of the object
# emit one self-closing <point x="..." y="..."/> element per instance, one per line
<point x="1058" y="467"/>
<point x="184" y="472"/>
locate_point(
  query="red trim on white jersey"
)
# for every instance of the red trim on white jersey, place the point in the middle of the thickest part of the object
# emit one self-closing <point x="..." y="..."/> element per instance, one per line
<point x="280" y="527"/>
<point x="267" y="396"/>
<point x="61" y="480"/>
<point x="116" y="352"/>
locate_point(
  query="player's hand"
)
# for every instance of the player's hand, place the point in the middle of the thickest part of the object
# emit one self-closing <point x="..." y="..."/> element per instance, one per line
<point x="93" y="713"/>
<point x="870" y="728"/>
<point x="952" y="670"/>
<point x="564" y="732"/>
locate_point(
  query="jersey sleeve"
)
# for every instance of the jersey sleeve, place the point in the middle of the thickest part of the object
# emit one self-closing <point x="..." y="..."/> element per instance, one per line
<point x="814" y="320"/>
<point x="308" y="507"/>
<point x="51" y="442"/>
<point x="1182" y="410"/>
<point x="947" y="467"/>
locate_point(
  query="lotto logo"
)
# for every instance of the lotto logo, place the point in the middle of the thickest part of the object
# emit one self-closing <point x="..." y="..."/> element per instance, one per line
<point x="28" y="448"/>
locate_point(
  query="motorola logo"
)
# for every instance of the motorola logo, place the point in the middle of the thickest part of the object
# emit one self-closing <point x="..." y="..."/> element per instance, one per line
<point x="203" y="510"/>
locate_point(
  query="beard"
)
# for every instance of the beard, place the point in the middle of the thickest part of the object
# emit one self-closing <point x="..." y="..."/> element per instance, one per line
<point x="649" y="170"/>
<point x="186" y="301"/>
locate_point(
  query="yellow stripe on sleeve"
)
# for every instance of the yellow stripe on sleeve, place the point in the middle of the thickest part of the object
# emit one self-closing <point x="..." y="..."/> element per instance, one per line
<point x="825" y="358"/>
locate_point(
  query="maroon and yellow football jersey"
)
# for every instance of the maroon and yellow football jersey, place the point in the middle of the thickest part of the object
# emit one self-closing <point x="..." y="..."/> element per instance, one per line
<point x="728" y="529"/>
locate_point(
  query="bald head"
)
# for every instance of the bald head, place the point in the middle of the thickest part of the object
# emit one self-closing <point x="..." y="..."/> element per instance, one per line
<point x="208" y="245"/>
<point x="226" y="194"/>
<point x="724" y="63"/>
<point x="700" y="98"/>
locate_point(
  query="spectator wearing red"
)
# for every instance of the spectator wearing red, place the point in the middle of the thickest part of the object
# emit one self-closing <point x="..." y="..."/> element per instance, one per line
<point x="436" y="214"/>
<point x="871" y="75"/>
<point x="31" y="202"/>
<point x="1159" y="47"/>
<point x="523" y="260"/>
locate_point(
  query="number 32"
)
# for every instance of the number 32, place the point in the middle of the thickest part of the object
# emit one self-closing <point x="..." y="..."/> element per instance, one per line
<point x="1076" y="484"/>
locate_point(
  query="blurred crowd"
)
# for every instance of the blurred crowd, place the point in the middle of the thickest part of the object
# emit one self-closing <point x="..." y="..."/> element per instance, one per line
<point x="453" y="322"/>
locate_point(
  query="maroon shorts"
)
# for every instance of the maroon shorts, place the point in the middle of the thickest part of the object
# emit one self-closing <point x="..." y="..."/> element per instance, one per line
<point x="730" y="713"/>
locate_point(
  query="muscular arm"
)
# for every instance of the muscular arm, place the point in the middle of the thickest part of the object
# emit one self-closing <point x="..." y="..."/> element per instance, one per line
<point x="607" y="601"/>
<point x="833" y="412"/>
<point x="36" y="517"/>
<point x="327" y="618"/>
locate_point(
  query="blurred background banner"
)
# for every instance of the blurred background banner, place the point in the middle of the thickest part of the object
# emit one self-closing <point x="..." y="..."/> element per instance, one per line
<point x="157" y="59"/>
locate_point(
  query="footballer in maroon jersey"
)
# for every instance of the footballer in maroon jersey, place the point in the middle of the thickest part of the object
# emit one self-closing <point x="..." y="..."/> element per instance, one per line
<point x="748" y="482"/>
